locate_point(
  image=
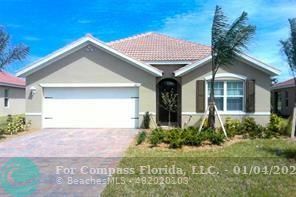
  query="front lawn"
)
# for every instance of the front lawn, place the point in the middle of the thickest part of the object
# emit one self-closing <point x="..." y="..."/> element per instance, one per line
<point x="234" y="173"/>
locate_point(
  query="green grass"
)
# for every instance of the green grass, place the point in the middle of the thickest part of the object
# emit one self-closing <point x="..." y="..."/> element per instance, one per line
<point x="261" y="152"/>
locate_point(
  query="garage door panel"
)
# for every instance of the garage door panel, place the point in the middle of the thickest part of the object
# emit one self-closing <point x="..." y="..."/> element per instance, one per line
<point x="92" y="93"/>
<point x="90" y="107"/>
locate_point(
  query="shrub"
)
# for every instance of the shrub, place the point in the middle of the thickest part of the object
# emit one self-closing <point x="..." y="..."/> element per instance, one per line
<point x="213" y="136"/>
<point x="3" y="126"/>
<point x="9" y="119"/>
<point x="157" y="136"/>
<point x="253" y="130"/>
<point x="175" y="138"/>
<point x="248" y="125"/>
<point x="268" y="133"/>
<point x="146" y="120"/>
<point x="258" y="132"/>
<point x="2" y="131"/>
<point x="232" y="127"/>
<point x="141" y="137"/>
<point x="274" y="123"/>
<point x="278" y="125"/>
<point x="16" y="124"/>
<point x="191" y="137"/>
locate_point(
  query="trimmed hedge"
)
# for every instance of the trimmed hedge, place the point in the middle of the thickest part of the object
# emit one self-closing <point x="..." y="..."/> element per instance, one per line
<point x="177" y="137"/>
<point x="250" y="129"/>
<point x="247" y="127"/>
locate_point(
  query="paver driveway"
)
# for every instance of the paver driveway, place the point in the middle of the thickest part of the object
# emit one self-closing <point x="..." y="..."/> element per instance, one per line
<point x="69" y="143"/>
<point x="69" y="148"/>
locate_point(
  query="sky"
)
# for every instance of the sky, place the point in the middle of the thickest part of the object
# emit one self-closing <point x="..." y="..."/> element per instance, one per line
<point x="47" y="25"/>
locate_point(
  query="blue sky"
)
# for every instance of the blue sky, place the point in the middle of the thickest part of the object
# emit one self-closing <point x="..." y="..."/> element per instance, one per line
<point x="48" y="25"/>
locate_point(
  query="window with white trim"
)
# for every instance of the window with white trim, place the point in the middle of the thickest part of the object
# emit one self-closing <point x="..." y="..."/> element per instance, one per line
<point x="6" y="98"/>
<point x="229" y="95"/>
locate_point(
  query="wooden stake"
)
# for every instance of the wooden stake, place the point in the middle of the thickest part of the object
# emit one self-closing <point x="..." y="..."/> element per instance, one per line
<point x="203" y="119"/>
<point x="220" y="120"/>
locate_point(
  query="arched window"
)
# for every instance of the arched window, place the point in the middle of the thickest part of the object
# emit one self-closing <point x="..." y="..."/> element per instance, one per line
<point x="229" y="91"/>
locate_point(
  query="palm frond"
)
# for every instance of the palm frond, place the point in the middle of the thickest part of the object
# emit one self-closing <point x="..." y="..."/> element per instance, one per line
<point x="219" y="27"/>
<point x="15" y="54"/>
<point x="4" y="39"/>
<point x="293" y="32"/>
<point x="293" y="42"/>
<point x="289" y="46"/>
<point x="234" y="40"/>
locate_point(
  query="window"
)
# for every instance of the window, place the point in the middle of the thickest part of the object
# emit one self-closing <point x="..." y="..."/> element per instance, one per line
<point x="286" y="98"/>
<point x="219" y="94"/>
<point x="279" y="101"/>
<point x="235" y="96"/>
<point x="6" y="99"/>
<point x="229" y="95"/>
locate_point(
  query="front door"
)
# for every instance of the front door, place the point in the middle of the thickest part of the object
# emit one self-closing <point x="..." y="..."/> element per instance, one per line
<point x="164" y="115"/>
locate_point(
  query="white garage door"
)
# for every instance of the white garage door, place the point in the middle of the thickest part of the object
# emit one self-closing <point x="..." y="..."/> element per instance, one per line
<point x="90" y="107"/>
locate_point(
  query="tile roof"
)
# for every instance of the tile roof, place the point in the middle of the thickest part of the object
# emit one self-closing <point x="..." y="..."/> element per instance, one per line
<point x="159" y="47"/>
<point x="9" y="79"/>
<point x="283" y="84"/>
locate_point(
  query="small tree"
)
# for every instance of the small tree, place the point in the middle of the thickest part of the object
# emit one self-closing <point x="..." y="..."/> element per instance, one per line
<point x="9" y="54"/>
<point x="227" y="41"/>
<point x="169" y="102"/>
<point x="146" y="121"/>
<point x="289" y="48"/>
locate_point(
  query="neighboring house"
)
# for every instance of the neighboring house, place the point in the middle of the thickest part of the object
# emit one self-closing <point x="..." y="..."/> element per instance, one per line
<point x="12" y="94"/>
<point x="90" y="83"/>
<point x="283" y="97"/>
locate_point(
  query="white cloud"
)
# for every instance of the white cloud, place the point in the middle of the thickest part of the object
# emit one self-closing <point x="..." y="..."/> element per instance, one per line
<point x="190" y="26"/>
<point x="270" y="18"/>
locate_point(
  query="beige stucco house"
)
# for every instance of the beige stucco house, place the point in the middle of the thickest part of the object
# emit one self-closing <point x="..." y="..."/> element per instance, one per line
<point x="12" y="94"/>
<point x="93" y="84"/>
<point x="283" y="97"/>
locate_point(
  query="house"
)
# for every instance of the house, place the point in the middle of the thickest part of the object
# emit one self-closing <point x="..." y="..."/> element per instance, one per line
<point x="283" y="97"/>
<point x="12" y="94"/>
<point x="92" y="84"/>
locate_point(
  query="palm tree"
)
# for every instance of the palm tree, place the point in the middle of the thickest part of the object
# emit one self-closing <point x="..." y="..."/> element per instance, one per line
<point x="9" y="54"/>
<point x="289" y="48"/>
<point x="227" y="41"/>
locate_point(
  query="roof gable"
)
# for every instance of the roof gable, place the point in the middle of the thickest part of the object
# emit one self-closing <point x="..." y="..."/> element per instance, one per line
<point x="243" y="57"/>
<point x="78" y="44"/>
<point x="159" y="47"/>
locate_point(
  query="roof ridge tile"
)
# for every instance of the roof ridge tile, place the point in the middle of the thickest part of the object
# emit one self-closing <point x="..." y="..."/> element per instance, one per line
<point x="130" y="38"/>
